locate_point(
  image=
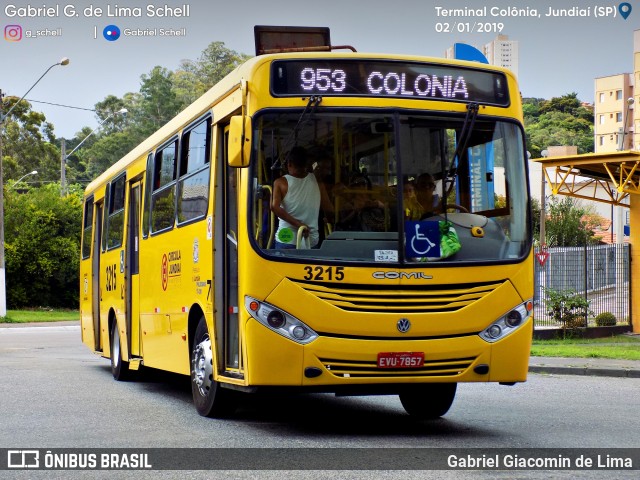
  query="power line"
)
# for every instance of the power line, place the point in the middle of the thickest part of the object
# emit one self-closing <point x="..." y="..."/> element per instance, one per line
<point x="60" y="105"/>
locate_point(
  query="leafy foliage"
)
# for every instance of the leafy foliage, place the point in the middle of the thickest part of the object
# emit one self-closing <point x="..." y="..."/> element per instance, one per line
<point x="42" y="229"/>
<point x="163" y="94"/>
<point x="42" y="233"/>
<point x="567" y="223"/>
<point x="567" y="308"/>
<point x="559" y="121"/>
<point x="194" y="78"/>
<point x="606" y="319"/>
<point x="28" y="146"/>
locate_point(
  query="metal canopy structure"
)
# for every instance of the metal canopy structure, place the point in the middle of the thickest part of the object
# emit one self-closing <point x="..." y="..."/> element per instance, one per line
<point x="602" y="177"/>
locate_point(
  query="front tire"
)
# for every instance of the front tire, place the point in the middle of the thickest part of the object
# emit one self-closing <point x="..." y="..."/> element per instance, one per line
<point x="119" y="368"/>
<point x="209" y="398"/>
<point x="428" y="401"/>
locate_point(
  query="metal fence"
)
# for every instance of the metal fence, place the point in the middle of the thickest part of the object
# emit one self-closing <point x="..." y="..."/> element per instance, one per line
<point x="599" y="273"/>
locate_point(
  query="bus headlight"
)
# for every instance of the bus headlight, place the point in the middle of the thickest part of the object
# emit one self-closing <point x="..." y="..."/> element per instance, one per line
<point x="276" y="319"/>
<point x="279" y="321"/>
<point x="507" y="323"/>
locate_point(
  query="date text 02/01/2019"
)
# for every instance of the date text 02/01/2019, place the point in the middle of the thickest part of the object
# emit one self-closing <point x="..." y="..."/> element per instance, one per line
<point x="469" y="27"/>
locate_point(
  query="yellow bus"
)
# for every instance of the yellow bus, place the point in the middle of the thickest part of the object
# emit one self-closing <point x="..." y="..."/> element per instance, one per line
<point x="417" y="275"/>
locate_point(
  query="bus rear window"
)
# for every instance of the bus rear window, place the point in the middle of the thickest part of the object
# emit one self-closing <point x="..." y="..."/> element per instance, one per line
<point x="194" y="172"/>
<point x="115" y="221"/>
<point x="164" y="191"/>
<point x="87" y="228"/>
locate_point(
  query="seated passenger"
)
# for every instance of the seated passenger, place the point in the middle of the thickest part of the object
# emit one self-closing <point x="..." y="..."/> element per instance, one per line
<point x="428" y="200"/>
<point x="412" y="208"/>
<point x="362" y="213"/>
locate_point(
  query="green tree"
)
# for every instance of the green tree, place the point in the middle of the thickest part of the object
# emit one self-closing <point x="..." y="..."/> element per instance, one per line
<point x="531" y="109"/>
<point x="215" y="62"/>
<point x="569" y="104"/>
<point x="535" y="218"/>
<point x="159" y="102"/>
<point x="567" y="308"/>
<point x="559" y="121"/>
<point x="566" y="224"/>
<point x="163" y="94"/>
<point x="106" y="151"/>
<point x="28" y="143"/>
<point x="106" y="114"/>
<point x="42" y="244"/>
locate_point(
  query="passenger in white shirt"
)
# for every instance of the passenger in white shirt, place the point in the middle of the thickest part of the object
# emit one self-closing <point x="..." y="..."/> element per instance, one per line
<point x="296" y="201"/>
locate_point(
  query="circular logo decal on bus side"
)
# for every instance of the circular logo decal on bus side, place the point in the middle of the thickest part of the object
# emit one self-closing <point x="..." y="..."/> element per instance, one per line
<point x="196" y="251"/>
<point x="165" y="271"/>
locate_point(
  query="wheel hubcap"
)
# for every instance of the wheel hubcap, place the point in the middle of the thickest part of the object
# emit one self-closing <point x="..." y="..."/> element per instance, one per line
<point x="202" y="366"/>
<point x="116" y="347"/>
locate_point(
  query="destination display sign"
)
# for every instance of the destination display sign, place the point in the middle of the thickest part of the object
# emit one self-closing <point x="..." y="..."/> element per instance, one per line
<point x="387" y="79"/>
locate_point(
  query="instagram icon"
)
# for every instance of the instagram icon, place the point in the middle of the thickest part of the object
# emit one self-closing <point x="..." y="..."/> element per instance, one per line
<point x="13" y="33"/>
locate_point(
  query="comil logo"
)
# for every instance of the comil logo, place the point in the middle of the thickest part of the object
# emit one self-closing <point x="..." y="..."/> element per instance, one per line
<point x="13" y="33"/>
<point x="111" y="33"/>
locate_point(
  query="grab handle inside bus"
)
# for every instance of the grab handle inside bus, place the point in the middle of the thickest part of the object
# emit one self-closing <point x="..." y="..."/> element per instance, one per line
<point x="239" y="141"/>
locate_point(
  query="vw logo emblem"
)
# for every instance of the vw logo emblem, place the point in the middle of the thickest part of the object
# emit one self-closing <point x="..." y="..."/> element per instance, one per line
<point x="403" y="325"/>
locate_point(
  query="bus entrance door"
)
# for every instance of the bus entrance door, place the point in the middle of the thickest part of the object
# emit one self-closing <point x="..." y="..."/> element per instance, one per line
<point x="228" y="349"/>
<point x="96" y="294"/>
<point x="132" y="277"/>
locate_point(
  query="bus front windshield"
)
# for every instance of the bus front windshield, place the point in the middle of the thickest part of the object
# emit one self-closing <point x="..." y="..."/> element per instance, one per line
<point x="395" y="189"/>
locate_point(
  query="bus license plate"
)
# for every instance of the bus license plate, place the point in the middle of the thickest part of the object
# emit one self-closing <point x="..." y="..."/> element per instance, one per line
<point x="400" y="359"/>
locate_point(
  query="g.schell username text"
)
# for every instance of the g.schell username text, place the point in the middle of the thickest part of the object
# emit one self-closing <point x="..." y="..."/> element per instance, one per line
<point x="70" y="11"/>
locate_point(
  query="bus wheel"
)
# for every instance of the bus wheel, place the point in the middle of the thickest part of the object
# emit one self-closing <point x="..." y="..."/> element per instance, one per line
<point x="119" y="368"/>
<point x="210" y="399"/>
<point x="428" y="401"/>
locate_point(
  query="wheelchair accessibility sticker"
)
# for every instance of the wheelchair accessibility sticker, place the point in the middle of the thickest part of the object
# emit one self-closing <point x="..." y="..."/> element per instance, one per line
<point x="422" y="239"/>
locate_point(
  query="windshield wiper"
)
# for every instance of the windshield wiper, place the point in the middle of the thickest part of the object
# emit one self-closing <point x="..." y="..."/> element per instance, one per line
<point x="306" y="115"/>
<point x="463" y="141"/>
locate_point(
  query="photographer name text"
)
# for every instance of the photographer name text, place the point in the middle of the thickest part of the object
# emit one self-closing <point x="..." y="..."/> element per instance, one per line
<point x="542" y="462"/>
<point x="92" y="11"/>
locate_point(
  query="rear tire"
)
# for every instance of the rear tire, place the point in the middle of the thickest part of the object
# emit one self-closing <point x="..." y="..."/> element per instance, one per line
<point x="209" y="398"/>
<point x="428" y="401"/>
<point x="119" y="368"/>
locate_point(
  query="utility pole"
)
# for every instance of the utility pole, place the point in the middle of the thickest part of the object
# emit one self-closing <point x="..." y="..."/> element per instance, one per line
<point x="543" y="203"/>
<point x="63" y="167"/>
<point x="3" y="289"/>
<point x="3" y="118"/>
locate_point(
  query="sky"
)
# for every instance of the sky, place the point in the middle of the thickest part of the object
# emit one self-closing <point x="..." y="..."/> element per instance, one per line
<point x="558" y="54"/>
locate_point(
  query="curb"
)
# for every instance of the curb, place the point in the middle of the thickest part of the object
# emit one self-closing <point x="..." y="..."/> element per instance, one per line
<point x="585" y="371"/>
<point x="62" y="323"/>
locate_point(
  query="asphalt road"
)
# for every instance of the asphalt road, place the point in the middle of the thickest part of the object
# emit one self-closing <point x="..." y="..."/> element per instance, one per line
<point x="54" y="393"/>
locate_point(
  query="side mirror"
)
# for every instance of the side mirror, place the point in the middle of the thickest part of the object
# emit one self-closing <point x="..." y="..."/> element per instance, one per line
<point x="239" y="141"/>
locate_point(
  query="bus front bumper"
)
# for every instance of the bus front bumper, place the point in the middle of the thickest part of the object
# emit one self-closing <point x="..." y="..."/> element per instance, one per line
<point x="334" y="362"/>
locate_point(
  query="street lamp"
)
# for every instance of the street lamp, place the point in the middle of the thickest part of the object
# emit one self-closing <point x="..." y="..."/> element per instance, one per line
<point x="3" y="290"/>
<point x="64" y="156"/>
<point x="35" y="172"/>
<point x="64" y="61"/>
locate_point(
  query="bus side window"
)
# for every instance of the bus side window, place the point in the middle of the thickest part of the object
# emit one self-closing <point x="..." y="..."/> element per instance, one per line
<point x="164" y="187"/>
<point x="87" y="228"/>
<point x="115" y="220"/>
<point x="195" y="150"/>
<point x="147" y="197"/>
